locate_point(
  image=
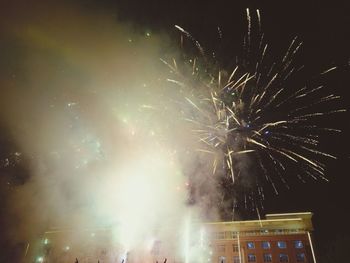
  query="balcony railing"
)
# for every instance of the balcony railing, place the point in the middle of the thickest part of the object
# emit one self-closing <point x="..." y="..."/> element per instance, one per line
<point x="234" y="235"/>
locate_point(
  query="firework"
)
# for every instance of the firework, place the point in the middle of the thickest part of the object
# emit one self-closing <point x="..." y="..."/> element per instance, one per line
<point x="255" y="115"/>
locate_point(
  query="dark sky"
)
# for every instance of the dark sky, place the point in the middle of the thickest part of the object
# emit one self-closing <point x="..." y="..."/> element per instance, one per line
<point x="323" y="26"/>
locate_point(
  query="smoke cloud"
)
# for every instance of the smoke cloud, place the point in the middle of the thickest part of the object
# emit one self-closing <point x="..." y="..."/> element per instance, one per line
<point x="86" y="105"/>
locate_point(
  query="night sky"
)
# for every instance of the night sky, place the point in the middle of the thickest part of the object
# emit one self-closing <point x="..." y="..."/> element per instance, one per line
<point x="323" y="27"/>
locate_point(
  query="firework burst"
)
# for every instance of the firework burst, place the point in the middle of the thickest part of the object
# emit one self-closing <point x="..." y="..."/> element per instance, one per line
<point x="253" y="120"/>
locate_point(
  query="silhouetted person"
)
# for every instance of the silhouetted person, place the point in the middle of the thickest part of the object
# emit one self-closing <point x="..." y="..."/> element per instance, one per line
<point x="76" y="260"/>
<point x="165" y="260"/>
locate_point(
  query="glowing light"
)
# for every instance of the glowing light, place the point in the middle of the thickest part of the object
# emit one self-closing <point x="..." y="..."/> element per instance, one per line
<point x="202" y="237"/>
<point x="312" y="247"/>
<point x="187" y="239"/>
<point x="234" y="112"/>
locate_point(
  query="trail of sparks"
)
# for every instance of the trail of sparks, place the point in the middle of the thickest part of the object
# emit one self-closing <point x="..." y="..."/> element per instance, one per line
<point x="254" y="112"/>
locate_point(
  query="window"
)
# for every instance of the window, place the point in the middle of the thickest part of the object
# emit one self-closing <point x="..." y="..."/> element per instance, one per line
<point x="281" y="244"/>
<point x="266" y="245"/>
<point x="235" y="248"/>
<point x="251" y="258"/>
<point x="222" y="259"/>
<point x="267" y="258"/>
<point x="234" y="234"/>
<point x="283" y="258"/>
<point x="236" y="259"/>
<point x="250" y="245"/>
<point x="230" y="235"/>
<point x="300" y="257"/>
<point x="221" y="235"/>
<point x="298" y="244"/>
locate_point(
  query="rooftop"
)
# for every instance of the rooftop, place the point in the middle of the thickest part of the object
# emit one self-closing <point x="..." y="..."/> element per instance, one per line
<point x="288" y="221"/>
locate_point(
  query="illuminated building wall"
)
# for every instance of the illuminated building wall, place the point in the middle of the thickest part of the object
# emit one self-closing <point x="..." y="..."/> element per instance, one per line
<point x="278" y="238"/>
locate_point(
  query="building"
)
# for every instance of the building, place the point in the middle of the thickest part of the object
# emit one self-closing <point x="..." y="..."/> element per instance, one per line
<point x="278" y="238"/>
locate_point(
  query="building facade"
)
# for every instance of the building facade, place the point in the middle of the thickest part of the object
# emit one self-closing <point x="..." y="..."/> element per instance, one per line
<point x="278" y="238"/>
